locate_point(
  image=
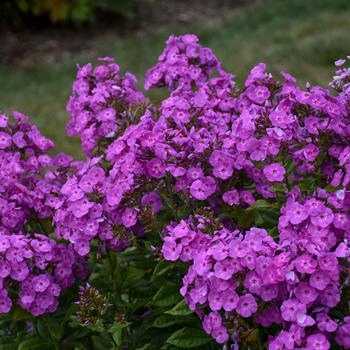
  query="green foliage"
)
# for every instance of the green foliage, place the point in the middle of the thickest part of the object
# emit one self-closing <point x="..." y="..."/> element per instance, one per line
<point x="66" y="11"/>
<point x="181" y="309"/>
<point x="189" y="338"/>
<point x="263" y="214"/>
<point x="144" y="311"/>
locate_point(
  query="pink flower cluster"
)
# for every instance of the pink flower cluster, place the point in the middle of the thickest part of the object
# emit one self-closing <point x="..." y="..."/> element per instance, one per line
<point x="209" y="158"/>
<point x="219" y="261"/>
<point x="106" y="201"/>
<point x="22" y="158"/>
<point x="38" y="267"/>
<point x="294" y="283"/>
<point x="32" y="264"/>
<point x="210" y="142"/>
<point x="183" y="62"/>
<point x="84" y="212"/>
<point x="270" y="133"/>
<point x="100" y="102"/>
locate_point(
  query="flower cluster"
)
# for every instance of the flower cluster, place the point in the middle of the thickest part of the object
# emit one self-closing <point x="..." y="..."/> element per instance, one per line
<point x="84" y="212"/>
<point x="92" y="305"/>
<point x="183" y="62"/>
<point x="22" y="158"/>
<point x="295" y="283"/>
<point x="100" y="103"/>
<point x="251" y="185"/>
<point x="313" y="232"/>
<point x="39" y="268"/>
<point x="108" y="202"/>
<point x="213" y="136"/>
<point x="32" y="264"/>
<point x="221" y="260"/>
<point x="210" y="142"/>
<point x="270" y="137"/>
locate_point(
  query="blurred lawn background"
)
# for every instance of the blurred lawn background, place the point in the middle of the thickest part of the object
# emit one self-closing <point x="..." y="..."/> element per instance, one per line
<point x="303" y="37"/>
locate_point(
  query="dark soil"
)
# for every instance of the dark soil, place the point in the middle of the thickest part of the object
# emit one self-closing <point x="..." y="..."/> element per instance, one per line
<point x="42" y="42"/>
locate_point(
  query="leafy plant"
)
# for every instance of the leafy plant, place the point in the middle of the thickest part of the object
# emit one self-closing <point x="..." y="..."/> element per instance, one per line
<point x="216" y="220"/>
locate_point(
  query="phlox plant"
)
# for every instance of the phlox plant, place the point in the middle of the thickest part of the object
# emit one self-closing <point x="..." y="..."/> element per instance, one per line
<point x="218" y="219"/>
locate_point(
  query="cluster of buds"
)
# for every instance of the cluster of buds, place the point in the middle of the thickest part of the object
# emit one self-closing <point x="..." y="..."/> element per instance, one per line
<point x="92" y="305"/>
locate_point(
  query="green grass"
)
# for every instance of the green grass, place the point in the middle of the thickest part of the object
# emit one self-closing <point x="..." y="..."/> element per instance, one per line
<point x="303" y="37"/>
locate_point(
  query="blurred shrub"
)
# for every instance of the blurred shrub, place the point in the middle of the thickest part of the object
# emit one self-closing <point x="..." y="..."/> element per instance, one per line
<point x="19" y="12"/>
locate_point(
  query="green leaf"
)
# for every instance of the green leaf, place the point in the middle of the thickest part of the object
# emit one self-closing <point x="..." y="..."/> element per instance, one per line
<point x="42" y="328"/>
<point x="166" y="296"/>
<point x="82" y="332"/>
<point x="33" y="343"/>
<point x="9" y="347"/>
<point x="19" y="314"/>
<point x="250" y="336"/>
<point x="145" y="347"/>
<point x="131" y="254"/>
<point x="71" y="310"/>
<point x="117" y="331"/>
<point x="137" y="304"/>
<point x="98" y="326"/>
<point x="76" y="345"/>
<point x="101" y="342"/>
<point x="332" y="189"/>
<point x="118" y="336"/>
<point x="134" y="273"/>
<point x="189" y="338"/>
<point x="277" y="187"/>
<point x="119" y="325"/>
<point x="181" y="309"/>
<point x="274" y="233"/>
<point x="290" y="167"/>
<point x="164" y="321"/>
<point x="55" y="328"/>
<point x="259" y="204"/>
<point x="161" y="268"/>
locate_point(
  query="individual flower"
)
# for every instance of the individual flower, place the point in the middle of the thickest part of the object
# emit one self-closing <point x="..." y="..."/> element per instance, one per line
<point x="274" y="172"/>
<point x="156" y="168"/>
<point x="247" y="305"/>
<point x="129" y="217"/>
<point x="317" y="341"/>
